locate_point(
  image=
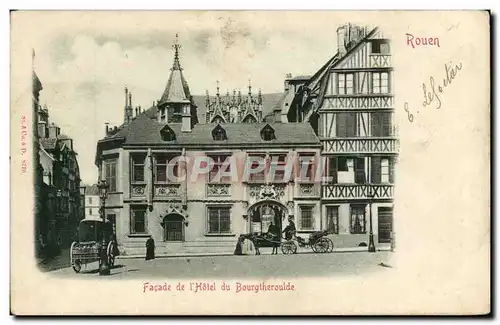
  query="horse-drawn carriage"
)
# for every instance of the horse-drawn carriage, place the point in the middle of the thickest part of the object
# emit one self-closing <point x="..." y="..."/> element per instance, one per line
<point x="88" y="248"/>
<point x="317" y="241"/>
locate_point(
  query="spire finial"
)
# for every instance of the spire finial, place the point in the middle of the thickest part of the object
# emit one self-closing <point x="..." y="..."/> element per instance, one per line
<point x="176" y="46"/>
<point x="217" y="88"/>
<point x="250" y="87"/>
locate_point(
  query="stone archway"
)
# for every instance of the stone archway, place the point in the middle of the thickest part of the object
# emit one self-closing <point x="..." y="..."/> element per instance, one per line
<point x="173" y="228"/>
<point x="261" y="214"/>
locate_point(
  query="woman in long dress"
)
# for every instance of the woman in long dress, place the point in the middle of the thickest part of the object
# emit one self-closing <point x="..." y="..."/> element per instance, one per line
<point x="150" y="249"/>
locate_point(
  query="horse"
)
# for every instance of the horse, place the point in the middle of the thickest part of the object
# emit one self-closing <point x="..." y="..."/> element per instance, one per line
<point x="257" y="241"/>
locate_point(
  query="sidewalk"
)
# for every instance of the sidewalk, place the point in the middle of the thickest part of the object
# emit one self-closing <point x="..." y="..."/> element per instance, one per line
<point x="300" y="251"/>
<point x="54" y="263"/>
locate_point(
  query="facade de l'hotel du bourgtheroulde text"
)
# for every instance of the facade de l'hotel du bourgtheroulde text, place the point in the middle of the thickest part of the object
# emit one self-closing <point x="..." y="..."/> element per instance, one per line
<point x="195" y="185"/>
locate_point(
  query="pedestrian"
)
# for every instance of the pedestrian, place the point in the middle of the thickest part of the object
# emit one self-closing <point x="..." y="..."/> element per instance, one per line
<point x="150" y="249"/>
<point x="239" y="246"/>
<point x="273" y="236"/>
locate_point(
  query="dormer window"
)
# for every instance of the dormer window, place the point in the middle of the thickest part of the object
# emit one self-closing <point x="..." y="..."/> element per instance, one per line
<point x="218" y="133"/>
<point x="167" y="134"/>
<point x="267" y="133"/>
<point x="249" y="119"/>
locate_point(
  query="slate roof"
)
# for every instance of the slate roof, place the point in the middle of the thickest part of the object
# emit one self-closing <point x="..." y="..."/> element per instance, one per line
<point x="145" y="130"/>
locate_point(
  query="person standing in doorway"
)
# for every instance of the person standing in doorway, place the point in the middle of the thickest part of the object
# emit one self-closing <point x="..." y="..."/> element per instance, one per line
<point x="150" y="249"/>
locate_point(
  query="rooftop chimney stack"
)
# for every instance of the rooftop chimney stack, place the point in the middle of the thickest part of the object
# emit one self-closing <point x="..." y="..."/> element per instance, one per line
<point x="341" y="39"/>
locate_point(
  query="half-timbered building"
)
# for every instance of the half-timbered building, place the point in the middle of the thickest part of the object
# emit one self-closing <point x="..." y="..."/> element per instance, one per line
<point x="349" y="103"/>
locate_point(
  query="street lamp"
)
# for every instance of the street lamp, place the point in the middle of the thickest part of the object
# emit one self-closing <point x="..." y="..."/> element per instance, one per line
<point x="371" y="243"/>
<point x="103" y="194"/>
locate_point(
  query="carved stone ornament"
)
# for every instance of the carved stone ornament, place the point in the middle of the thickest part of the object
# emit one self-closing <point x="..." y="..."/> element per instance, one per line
<point x="218" y="189"/>
<point x="167" y="190"/>
<point x="306" y="189"/>
<point x="267" y="192"/>
<point x="174" y="208"/>
<point x="138" y="190"/>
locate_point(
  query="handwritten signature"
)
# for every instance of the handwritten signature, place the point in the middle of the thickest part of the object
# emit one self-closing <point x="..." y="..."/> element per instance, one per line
<point x="433" y="92"/>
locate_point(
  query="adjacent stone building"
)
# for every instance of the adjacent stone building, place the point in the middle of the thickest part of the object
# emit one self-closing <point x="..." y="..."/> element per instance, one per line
<point x="60" y="188"/>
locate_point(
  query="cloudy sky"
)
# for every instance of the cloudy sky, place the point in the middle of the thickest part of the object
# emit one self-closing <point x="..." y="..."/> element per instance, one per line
<point x="86" y="60"/>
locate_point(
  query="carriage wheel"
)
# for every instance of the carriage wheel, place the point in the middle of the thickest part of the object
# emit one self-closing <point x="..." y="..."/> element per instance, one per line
<point x="330" y="245"/>
<point x="77" y="266"/>
<point x="288" y="247"/>
<point x="321" y="245"/>
<point x="313" y="247"/>
<point x="110" y="254"/>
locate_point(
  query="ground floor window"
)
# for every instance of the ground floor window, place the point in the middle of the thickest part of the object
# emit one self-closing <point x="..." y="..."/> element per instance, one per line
<point x="173" y="228"/>
<point x="219" y="220"/>
<point x="358" y="219"/>
<point x="332" y="219"/>
<point x="306" y="217"/>
<point x="138" y="220"/>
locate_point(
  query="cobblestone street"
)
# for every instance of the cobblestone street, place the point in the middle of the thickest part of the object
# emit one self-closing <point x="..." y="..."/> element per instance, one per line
<point x="304" y="264"/>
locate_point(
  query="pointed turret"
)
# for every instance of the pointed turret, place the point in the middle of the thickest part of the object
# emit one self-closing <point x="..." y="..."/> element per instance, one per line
<point x="177" y="90"/>
<point x="176" y="104"/>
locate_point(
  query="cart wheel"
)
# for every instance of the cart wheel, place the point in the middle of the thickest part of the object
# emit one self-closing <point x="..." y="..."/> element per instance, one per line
<point x="330" y="245"/>
<point x="321" y="245"/>
<point x="110" y="254"/>
<point x="288" y="247"/>
<point x="77" y="266"/>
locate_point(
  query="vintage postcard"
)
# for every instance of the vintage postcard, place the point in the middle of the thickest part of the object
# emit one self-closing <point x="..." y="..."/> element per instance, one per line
<point x="250" y="163"/>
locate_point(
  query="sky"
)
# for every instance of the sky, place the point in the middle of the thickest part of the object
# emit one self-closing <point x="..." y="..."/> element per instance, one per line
<point x="86" y="61"/>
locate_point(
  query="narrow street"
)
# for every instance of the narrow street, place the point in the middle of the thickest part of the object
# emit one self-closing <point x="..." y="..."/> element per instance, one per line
<point x="304" y="264"/>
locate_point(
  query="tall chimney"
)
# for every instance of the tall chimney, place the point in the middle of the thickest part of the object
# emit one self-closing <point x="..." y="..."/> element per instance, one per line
<point x="130" y="99"/>
<point x="341" y="40"/>
<point x="126" y="96"/>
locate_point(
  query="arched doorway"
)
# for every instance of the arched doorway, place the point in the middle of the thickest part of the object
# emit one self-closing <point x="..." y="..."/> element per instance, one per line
<point x="173" y="227"/>
<point x="263" y="213"/>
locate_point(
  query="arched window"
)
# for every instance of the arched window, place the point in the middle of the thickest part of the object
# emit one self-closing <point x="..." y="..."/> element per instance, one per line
<point x="218" y="133"/>
<point x="167" y="134"/>
<point x="267" y="133"/>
